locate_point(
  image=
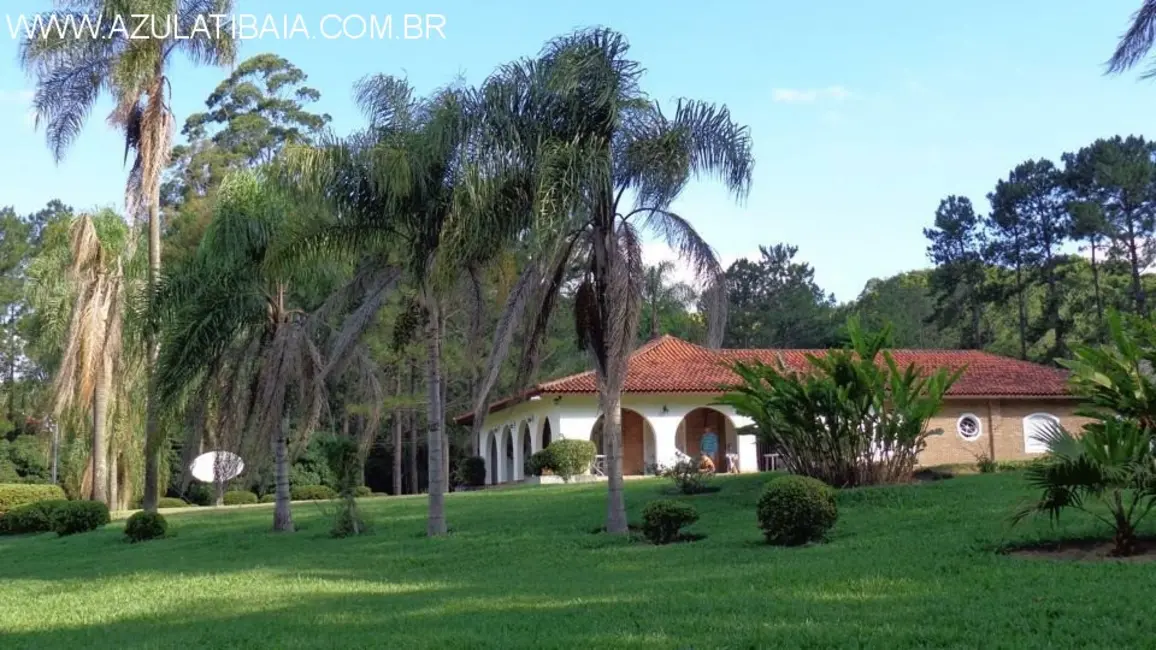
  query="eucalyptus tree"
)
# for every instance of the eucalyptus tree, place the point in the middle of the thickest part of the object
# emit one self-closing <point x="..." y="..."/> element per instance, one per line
<point x="246" y="350"/>
<point x="73" y="70"/>
<point x="607" y="163"/>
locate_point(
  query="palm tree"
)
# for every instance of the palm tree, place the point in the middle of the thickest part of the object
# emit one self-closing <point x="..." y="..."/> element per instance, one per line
<point x="403" y="197"/>
<point x="243" y="339"/>
<point x="608" y="163"/>
<point x="93" y="368"/>
<point x="1135" y="44"/>
<point x="73" y="70"/>
<point x="658" y="294"/>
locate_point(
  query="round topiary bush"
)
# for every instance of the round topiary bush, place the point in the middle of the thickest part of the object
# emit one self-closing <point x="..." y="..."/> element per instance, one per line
<point x="239" y="497"/>
<point x="312" y="493"/>
<point x="571" y="457"/>
<point x="663" y="520"/>
<point x="73" y="517"/>
<point x="795" y="510"/>
<point x="268" y="498"/>
<point x="143" y="526"/>
<point x="172" y="502"/>
<point x="362" y="491"/>
<point x="472" y="472"/>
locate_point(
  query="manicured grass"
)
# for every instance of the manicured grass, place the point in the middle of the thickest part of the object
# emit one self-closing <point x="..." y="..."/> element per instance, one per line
<point x="906" y="567"/>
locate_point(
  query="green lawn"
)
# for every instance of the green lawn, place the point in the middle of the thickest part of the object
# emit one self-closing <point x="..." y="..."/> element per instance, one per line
<point x="906" y="567"/>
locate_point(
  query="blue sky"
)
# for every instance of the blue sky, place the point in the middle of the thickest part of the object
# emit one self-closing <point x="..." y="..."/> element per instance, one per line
<point x="864" y="114"/>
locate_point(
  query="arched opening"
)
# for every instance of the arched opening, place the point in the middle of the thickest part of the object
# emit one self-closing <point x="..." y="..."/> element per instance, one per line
<point x="492" y="459"/>
<point x="638" y="445"/>
<point x="707" y="432"/>
<point x="546" y="436"/>
<point x="508" y="464"/>
<point x="1036" y="427"/>
<point x="524" y="438"/>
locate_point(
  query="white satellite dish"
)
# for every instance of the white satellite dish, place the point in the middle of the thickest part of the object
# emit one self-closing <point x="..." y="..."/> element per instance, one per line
<point x="214" y="466"/>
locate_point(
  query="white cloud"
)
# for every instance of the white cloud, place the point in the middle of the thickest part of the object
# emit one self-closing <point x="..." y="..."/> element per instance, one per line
<point x="809" y="95"/>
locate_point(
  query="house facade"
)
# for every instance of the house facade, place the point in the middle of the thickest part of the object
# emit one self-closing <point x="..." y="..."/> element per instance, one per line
<point x="995" y="409"/>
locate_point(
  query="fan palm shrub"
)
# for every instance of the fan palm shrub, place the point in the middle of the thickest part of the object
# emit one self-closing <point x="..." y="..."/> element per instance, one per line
<point x="1107" y="472"/>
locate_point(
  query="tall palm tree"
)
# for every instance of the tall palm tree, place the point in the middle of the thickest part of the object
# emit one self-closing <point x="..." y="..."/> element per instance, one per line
<point x="1137" y="42"/>
<point x="244" y="337"/>
<point x="92" y="364"/>
<point x="608" y="163"/>
<point x="73" y="70"/>
<point x="402" y="195"/>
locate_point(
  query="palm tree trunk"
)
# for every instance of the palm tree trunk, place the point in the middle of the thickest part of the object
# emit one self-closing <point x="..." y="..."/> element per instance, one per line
<point x="100" y="400"/>
<point x="1138" y="296"/>
<point x="1023" y="313"/>
<point x="612" y="437"/>
<point x="436" y="524"/>
<point x="397" y="451"/>
<point x="282" y="515"/>
<point x="411" y="422"/>
<point x="113" y="472"/>
<point x="152" y="425"/>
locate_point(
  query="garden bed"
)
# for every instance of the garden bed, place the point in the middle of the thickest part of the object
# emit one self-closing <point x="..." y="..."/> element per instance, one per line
<point x="1083" y="550"/>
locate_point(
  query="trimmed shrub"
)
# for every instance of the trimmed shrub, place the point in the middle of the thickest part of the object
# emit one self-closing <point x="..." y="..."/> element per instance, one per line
<point x="571" y="457"/>
<point x="172" y="502"/>
<point x="472" y="472"/>
<point x="663" y="520"/>
<point x="32" y="518"/>
<point x="268" y="498"/>
<point x="75" y="517"/>
<point x="312" y="493"/>
<point x="795" y="510"/>
<point x="143" y="526"/>
<point x="688" y="476"/>
<point x="540" y="463"/>
<point x="362" y="491"/>
<point x="239" y="497"/>
<point x="13" y="495"/>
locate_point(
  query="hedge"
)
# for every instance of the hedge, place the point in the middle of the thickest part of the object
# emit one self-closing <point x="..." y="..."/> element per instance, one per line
<point x="13" y="495"/>
<point x="312" y="493"/>
<point x="239" y="497"/>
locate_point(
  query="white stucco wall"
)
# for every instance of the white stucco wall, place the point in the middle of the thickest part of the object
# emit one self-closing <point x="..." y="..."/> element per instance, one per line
<point x="574" y="416"/>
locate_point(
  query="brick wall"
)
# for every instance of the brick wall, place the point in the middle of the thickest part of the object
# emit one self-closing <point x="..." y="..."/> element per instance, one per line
<point x="1002" y="430"/>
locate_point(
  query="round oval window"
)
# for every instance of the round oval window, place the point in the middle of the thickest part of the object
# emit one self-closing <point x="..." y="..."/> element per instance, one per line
<point x="968" y="427"/>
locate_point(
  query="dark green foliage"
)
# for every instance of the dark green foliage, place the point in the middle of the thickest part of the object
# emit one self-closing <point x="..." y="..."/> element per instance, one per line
<point x="346" y="461"/>
<point x="571" y="457"/>
<point x="313" y="466"/>
<point x="143" y="526"/>
<point x="199" y="493"/>
<point x="31" y="518"/>
<point x="74" y="517"/>
<point x="239" y="497"/>
<point x="796" y="510"/>
<point x="312" y="493"/>
<point x="541" y="462"/>
<point x="687" y="476"/>
<point x="172" y="502"/>
<point x="853" y="417"/>
<point x="14" y="495"/>
<point x="663" y="520"/>
<point x="472" y="471"/>
<point x="362" y="491"/>
<point x="775" y="302"/>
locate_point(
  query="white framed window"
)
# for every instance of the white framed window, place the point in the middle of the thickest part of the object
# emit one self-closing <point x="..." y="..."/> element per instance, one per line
<point x="1035" y="426"/>
<point x="969" y="427"/>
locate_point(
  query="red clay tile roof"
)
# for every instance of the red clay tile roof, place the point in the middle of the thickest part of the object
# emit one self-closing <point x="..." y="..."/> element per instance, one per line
<point x="671" y="365"/>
